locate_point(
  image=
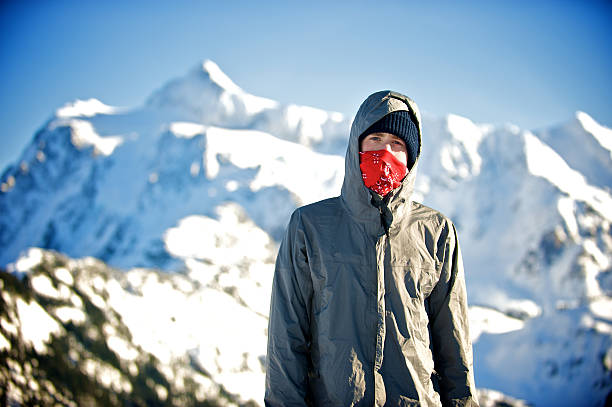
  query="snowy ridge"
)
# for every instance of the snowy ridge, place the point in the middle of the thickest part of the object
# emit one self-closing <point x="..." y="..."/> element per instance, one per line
<point x="219" y="77"/>
<point x="83" y="135"/>
<point x="469" y="136"/>
<point x="206" y="95"/>
<point x="543" y="161"/>
<point x="200" y="182"/>
<point x="585" y="138"/>
<point x="601" y="133"/>
<point x="85" y="108"/>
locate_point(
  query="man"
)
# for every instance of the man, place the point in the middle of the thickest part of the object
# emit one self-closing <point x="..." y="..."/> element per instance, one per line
<point x="368" y="301"/>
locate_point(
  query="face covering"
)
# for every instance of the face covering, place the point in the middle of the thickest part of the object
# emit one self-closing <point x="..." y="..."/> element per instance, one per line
<point x="381" y="171"/>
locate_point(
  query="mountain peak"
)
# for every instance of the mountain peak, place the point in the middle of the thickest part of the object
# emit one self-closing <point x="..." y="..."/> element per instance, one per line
<point x="217" y="76"/>
<point x="207" y="95"/>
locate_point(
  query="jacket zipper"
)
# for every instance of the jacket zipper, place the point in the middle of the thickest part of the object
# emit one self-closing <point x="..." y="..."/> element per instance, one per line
<point x="380" y="303"/>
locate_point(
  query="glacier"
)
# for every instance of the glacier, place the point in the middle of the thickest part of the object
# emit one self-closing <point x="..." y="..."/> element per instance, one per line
<point x="189" y="194"/>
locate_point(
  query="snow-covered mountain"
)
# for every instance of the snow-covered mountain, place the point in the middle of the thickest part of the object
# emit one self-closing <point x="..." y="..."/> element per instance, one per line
<point x="189" y="196"/>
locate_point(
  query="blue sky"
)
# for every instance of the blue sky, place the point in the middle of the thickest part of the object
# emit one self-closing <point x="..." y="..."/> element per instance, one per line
<point x="531" y="63"/>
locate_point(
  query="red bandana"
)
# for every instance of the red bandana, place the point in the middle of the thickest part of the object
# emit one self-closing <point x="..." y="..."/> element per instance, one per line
<point x="381" y="171"/>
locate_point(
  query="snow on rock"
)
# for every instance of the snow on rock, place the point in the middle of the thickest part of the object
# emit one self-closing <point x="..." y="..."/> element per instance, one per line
<point x="492" y="321"/>
<point x="219" y="77"/>
<point x="225" y="240"/>
<point x="279" y="163"/>
<point x="580" y="138"/>
<point x="492" y="398"/>
<point x="4" y="343"/>
<point x="227" y="340"/>
<point x="601" y="133"/>
<point x="71" y="314"/>
<point x="469" y="137"/>
<point x="544" y="162"/>
<point x="304" y="124"/>
<point x="567" y="209"/>
<point x="85" y="108"/>
<point x="186" y="129"/>
<point x="43" y="285"/>
<point x="31" y="258"/>
<point x="36" y="325"/>
<point x="64" y="276"/>
<point x="252" y="104"/>
<point x="83" y="135"/>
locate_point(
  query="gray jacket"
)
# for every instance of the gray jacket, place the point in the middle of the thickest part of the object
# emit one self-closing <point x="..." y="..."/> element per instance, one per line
<point x="368" y="302"/>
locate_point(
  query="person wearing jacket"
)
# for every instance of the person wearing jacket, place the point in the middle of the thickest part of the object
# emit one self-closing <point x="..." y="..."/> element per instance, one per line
<point x="368" y="301"/>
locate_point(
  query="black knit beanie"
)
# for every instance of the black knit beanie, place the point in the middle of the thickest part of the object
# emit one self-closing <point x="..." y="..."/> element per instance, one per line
<point x="398" y="123"/>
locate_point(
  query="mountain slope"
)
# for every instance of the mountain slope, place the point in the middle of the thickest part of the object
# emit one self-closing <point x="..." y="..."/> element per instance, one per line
<point x="537" y="245"/>
<point x="75" y="332"/>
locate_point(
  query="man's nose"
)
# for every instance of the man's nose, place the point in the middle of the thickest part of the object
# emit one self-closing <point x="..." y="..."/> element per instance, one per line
<point x="388" y="147"/>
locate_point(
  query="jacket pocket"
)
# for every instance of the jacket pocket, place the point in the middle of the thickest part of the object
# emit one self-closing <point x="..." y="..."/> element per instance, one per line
<point x="419" y="278"/>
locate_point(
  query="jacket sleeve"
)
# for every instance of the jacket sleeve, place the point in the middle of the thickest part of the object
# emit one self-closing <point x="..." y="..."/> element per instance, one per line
<point x="289" y="324"/>
<point x="448" y="314"/>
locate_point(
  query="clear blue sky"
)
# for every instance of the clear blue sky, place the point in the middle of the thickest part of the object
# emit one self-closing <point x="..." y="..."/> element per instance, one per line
<point x="531" y="63"/>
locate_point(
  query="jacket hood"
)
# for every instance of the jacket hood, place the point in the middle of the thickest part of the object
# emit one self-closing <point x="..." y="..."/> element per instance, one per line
<point x="355" y="195"/>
